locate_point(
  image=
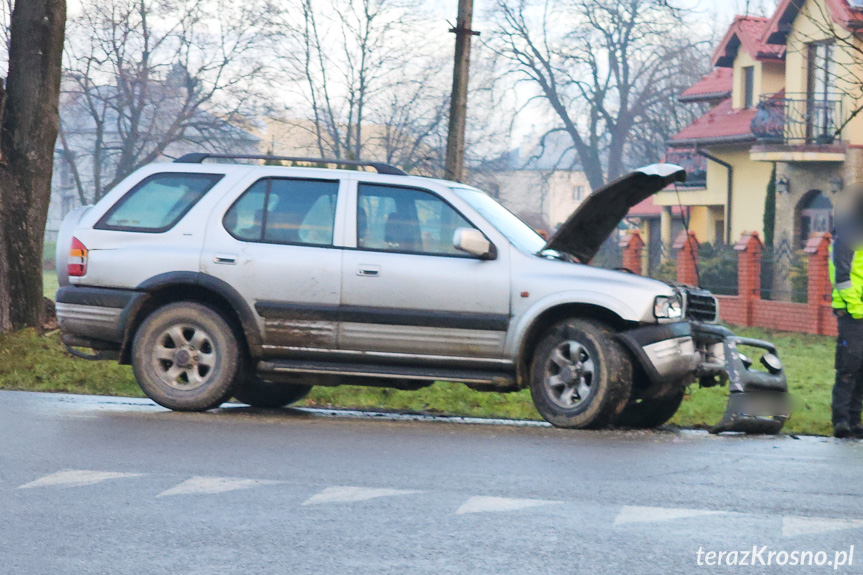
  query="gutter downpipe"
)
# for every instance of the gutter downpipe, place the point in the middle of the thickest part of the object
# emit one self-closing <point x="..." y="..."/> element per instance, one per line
<point x="730" y="169"/>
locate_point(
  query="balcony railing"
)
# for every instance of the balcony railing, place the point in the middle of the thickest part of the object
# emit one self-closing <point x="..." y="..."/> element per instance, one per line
<point x="694" y="164"/>
<point x="798" y="119"/>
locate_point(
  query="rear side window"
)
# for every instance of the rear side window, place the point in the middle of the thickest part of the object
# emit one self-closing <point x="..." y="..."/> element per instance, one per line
<point x="158" y="202"/>
<point x="285" y="211"/>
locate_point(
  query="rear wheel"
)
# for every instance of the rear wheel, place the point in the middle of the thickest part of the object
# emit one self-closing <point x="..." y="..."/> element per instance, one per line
<point x="581" y="377"/>
<point x="185" y="357"/>
<point x="650" y="413"/>
<point x="254" y="391"/>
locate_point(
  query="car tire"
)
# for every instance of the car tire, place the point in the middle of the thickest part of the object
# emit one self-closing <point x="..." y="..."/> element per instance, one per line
<point x="257" y="392"/>
<point x="185" y="357"/>
<point x="580" y="377"/>
<point x="650" y="413"/>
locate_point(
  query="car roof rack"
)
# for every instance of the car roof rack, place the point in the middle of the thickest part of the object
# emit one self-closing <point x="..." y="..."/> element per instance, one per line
<point x="199" y="157"/>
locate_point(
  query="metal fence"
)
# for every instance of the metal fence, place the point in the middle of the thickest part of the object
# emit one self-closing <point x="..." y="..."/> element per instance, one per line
<point x="784" y="274"/>
<point x="718" y="269"/>
<point x="798" y="119"/>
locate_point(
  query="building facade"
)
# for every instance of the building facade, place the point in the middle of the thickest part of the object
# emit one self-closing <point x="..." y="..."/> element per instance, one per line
<point x="785" y="93"/>
<point x="540" y="181"/>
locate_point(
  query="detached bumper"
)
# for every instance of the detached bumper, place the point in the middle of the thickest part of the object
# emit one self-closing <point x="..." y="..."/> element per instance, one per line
<point x="758" y="400"/>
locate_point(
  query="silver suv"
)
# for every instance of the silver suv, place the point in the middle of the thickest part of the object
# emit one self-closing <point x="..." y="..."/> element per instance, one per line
<point x="222" y="279"/>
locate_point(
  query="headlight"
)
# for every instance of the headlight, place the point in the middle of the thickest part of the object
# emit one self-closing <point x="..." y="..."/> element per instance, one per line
<point x="668" y="307"/>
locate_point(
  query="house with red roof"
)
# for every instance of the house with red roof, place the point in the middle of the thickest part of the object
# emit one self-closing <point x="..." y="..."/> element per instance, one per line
<point x="785" y="94"/>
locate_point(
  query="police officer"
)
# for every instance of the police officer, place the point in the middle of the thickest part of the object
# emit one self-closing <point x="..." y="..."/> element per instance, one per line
<point x="846" y="273"/>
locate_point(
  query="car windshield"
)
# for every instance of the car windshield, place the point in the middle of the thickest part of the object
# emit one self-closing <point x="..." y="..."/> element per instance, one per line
<point x="521" y="235"/>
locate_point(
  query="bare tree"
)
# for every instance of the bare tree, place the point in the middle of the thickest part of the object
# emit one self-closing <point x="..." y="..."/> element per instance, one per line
<point x="370" y="82"/>
<point x="601" y="66"/>
<point x="142" y="75"/>
<point x="28" y="131"/>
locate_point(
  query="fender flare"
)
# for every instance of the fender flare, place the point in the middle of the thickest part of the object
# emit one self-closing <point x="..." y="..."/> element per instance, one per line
<point x="247" y="316"/>
<point x="514" y="345"/>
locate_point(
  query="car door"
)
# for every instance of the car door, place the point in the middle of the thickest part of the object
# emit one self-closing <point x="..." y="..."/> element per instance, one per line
<point x="274" y="244"/>
<point x="407" y="290"/>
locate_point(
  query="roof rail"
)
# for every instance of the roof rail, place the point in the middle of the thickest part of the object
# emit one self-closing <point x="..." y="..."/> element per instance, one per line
<point x="199" y="157"/>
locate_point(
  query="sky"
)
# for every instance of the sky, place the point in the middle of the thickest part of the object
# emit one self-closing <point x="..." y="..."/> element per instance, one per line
<point x="715" y="15"/>
<point x="724" y="10"/>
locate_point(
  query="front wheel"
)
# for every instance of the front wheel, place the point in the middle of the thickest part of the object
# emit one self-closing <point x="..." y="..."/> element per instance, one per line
<point x="650" y="413"/>
<point x="185" y="357"/>
<point x="581" y="377"/>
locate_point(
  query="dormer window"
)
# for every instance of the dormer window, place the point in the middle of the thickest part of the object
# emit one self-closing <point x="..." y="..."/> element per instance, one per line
<point x="749" y="87"/>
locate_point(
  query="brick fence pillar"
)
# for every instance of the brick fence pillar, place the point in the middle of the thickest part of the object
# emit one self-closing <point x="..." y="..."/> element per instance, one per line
<point x="633" y="246"/>
<point x="819" y="287"/>
<point x="687" y="258"/>
<point x="748" y="250"/>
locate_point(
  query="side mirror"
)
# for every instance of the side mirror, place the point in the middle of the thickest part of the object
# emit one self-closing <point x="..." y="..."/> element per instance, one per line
<point x="473" y="242"/>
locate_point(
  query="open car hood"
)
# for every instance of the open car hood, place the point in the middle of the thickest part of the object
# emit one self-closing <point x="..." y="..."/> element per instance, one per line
<point x="590" y="225"/>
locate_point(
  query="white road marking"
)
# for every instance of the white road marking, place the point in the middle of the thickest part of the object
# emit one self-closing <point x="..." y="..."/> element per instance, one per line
<point x="636" y="514"/>
<point x="345" y="494"/>
<point x="792" y="526"/>
<point x="210" y="485"/>
<point x="76" y="478"/>
<point x="480" y="504"/>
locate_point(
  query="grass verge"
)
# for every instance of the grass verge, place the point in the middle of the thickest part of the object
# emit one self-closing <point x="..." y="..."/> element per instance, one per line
<point x="29" y="361"/>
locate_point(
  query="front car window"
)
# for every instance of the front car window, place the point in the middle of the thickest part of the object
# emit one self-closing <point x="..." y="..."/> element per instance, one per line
<point x="519" y="234"/>
<point x="407" y="220"/>
<point x="158" y="202"/>
<point x="285" y="211"/>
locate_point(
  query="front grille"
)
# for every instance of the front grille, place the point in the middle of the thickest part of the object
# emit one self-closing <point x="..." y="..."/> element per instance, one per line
<point x="700" y="305"/>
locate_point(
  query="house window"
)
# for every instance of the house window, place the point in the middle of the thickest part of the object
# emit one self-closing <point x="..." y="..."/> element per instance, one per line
<point x="578" y="193"/>
<point x="821" y="99"/>
<point x="749" y="87"/>
<point x="822" y="70"/>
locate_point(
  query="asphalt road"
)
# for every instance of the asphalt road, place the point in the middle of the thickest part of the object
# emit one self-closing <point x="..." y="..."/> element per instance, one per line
<point x="115" y="486"/>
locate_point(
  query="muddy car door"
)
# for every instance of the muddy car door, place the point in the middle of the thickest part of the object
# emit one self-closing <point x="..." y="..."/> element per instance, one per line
<point x="275" y="243"/>
<point x="407" y="289"/>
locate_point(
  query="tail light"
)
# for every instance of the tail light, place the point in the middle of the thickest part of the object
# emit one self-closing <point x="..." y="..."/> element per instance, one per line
<point x="77" y="259"/>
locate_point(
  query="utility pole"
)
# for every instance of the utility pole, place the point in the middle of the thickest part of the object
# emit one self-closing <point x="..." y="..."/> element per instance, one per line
<point x="458" y="103"/>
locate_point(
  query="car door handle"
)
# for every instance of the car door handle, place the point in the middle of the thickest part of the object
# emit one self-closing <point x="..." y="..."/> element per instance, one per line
<point x="369" y="271"/>
<point x="226" y="259"/>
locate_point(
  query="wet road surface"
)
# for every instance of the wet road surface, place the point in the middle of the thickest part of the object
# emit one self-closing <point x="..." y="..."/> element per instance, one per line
<point x="102" y="485"/>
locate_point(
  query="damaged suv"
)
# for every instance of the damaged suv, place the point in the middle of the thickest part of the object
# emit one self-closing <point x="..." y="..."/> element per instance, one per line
<point x="222" y="279"/>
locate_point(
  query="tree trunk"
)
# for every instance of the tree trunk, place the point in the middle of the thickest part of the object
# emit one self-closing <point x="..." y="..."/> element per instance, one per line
<point x="30" y="123"/>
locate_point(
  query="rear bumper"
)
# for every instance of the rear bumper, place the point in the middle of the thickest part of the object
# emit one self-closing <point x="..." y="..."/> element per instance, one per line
<point x="95" y="313"/>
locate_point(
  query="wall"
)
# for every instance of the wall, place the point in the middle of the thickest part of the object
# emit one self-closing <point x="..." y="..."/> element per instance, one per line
<point x="750" y="189"/>
<point x="747" y="308"/>
<point x="772" y="78"/>
<point x="802" y="178"/>
<point x="810" y="26"/>
<point x="769" y="77"/>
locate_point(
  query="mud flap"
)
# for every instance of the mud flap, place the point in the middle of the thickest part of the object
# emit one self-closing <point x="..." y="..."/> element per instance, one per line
<point x="758" y="402"/>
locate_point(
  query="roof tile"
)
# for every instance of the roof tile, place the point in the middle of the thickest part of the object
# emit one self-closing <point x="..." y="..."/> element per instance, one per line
<point x="722" y="123"/>
<point x="717" y="84"/>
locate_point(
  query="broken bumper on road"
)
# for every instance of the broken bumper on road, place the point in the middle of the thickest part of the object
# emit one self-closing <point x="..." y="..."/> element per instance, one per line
<point x="758" y="400"/>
